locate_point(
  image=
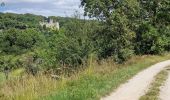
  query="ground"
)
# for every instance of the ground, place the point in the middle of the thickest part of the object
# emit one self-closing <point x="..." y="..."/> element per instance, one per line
<point x="139" y="84"/>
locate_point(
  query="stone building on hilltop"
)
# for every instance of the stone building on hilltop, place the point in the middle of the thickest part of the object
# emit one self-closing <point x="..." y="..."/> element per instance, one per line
<point x="50" y="24"/>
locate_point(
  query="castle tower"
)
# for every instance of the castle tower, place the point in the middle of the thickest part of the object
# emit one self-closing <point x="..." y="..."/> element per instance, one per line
<point x="51" y="24"/>
<point x="58" y="25"/>
<point x="51" y="21"/>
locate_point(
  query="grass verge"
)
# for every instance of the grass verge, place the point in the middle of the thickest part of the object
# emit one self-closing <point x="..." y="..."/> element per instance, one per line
<point x="154" y="90"/>
<point x="91" y="84"/>
<point x="2" y="78"/>
<point x="102" y="79"/>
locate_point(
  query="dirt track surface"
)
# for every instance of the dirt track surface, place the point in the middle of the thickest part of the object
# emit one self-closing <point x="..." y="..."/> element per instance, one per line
<point x="139" y="84"/>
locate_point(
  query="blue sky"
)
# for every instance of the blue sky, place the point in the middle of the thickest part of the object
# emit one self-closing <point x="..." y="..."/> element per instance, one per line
<point x="42" y="7"/>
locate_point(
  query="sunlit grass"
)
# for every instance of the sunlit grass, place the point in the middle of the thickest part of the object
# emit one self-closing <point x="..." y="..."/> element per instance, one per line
<point x="14" y="74"/>
<point x="17" y="72"/>
<point x="91" y="84"/>
<point x="103" y="79"/>
<point x="28" y="88"/>
<point x="2" y="78"/>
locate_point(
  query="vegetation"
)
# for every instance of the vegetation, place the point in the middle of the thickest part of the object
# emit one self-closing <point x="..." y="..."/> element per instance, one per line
<point x="153" y="93"/>
<point x="121" y="29"/>
<point x="90" y="84"/>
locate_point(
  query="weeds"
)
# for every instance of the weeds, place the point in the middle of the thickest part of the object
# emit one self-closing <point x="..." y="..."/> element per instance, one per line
<point x="90" y="84"/>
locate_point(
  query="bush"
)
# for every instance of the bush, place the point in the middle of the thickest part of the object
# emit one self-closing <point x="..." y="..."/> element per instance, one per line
<point x="149" y="40"/>
<point x="10" y="62"/>
<point x="15" y="41"/>
<point x="165" y="33"/>
<point x="114" y="40"/>
<point x="68" y="51"/>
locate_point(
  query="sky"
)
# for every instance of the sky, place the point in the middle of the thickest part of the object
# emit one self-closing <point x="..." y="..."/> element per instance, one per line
<point x="65" y="8"/>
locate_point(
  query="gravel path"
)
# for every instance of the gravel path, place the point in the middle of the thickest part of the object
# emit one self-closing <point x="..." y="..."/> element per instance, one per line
<point x="165" y="90"/>
<point x="136" y="87"/>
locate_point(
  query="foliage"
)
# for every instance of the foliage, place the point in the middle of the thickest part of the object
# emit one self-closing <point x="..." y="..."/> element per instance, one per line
<point x="103" y="79"/>
<point x="115" y="37"/>
<point x="22" y="21"/>
<point x="120" y="29"/>
<point x="123" y="18"/>
<point x="70" y="49"/>
<point x="165" y="32"/>
<point x="155" y="11"/>
<point x="149" y="40"/>
<point x="15" y="41"/>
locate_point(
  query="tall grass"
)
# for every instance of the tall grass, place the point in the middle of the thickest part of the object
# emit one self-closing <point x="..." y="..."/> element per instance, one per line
<point x="28" y="88"/>
<point x="96" y="81"/>
<point x="2" y="78"/>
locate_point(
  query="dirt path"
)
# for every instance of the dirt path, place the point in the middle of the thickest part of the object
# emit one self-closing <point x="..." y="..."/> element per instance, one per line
<point x="165" y="90"/>
<point x="136" y="87"/>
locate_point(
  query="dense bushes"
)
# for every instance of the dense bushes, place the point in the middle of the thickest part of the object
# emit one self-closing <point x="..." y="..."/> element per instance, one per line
<point x="121" y="29"/>
<point x="15" y="41"/>
<point x="114" y="38"/>
<point x="149" y="40"/>
<point x="22" y="21"/>
<point x="71" y="45"/>
<point x="114" y="41"/>
<point x="165" y="33"/>
<point x="129" y="25"/>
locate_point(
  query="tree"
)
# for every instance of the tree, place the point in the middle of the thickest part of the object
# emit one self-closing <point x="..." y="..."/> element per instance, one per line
<point x="115" y="36"/>
<point x="152" y="35"/>
<point x="15" y="41"/>
<point x="149" y="40"/>
<point x="105" y="9"/>
<point x="156" y="11"/>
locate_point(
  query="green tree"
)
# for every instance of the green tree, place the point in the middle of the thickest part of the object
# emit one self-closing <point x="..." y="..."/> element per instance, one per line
<point x="152" y="34"/>
<point x="15" y="41"/>
<point x="149" y="40"/>
<point x="115" y="36"/>
<point x="155" y="11"/>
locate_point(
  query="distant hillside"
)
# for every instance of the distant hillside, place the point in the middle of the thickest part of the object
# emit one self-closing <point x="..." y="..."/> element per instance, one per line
<point x="22" y="21"/>
<point x="19" y="21"/>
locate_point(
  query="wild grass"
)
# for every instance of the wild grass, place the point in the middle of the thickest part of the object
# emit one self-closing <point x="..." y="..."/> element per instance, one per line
<point x="17" y="72"/>
<point x="28" y="88"/>
<point x="103" y="79"/>
<point x="2" y="78"/>
<point x="154" y="90"/>
<point x="14" y="74"/>
<point x="91" y="84"/>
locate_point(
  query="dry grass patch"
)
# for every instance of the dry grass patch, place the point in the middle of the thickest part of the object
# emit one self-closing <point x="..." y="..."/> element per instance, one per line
<point x="89" y="84"/>
<point x="28" y="87"/>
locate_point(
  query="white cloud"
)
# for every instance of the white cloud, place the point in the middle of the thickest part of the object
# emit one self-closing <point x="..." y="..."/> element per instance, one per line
<point x="43" y="7"/>
<point x="17" y="1"/>
<point x="33" y="11"/>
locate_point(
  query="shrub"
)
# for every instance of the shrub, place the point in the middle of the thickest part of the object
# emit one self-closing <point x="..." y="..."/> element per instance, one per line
<point x="149" y="40"/>
<point x="165" y="33"/>
<point x="114" y="40"/>
<point x="19" y="41"/>
<point x="68" y="51"/>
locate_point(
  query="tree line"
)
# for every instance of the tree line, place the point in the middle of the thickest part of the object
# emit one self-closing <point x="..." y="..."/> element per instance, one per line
<point x="120" y="30"/>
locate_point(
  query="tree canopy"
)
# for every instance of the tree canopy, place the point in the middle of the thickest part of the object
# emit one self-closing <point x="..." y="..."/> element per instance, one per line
<point x="119" y="30"/>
